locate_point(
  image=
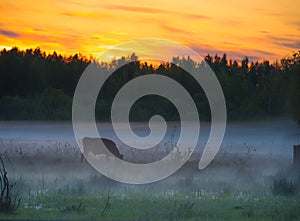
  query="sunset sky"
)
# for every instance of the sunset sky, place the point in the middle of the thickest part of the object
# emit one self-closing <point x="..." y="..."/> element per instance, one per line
<point x="258" y="29"/>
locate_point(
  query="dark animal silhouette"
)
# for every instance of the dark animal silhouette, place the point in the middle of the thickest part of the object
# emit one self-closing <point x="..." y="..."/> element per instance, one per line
<point x="94" y="146"/>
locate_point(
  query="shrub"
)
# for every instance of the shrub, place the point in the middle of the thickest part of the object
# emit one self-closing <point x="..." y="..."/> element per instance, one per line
<point x="9" y="199"/>
<point x="284" y="187"/>
<point x="74" y="208"/>
<point x="181" y="211"/>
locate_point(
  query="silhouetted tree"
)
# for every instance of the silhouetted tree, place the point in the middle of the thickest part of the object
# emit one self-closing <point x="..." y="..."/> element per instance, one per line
<point x="292" y="66"/>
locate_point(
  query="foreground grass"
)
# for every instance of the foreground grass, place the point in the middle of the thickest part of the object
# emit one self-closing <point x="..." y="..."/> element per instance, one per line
<point x="146" y="206"/>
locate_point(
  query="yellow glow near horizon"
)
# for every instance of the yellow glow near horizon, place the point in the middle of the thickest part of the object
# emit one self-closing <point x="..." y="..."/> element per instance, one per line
<point x="260" y="29"/>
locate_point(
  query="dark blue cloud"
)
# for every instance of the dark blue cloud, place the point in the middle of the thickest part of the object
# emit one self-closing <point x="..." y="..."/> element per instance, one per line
<point x="295" y="44"/>
<point x="286" y="42"/>
<point x="264" y="52"/>
<point x="253" y="55"/>
<point x="9" y="33"/>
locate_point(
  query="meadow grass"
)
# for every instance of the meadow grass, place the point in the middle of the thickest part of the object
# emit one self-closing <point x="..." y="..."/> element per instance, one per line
<point x="148" y="206"/>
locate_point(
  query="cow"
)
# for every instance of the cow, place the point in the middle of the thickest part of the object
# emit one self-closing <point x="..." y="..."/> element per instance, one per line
<point x="94" y="146"/>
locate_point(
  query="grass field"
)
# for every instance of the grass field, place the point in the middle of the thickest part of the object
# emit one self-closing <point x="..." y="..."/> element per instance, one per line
<point x="144" y="206"/>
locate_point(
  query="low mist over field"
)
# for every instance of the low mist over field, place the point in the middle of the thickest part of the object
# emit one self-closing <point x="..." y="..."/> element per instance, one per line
<point x="44" y="160"/>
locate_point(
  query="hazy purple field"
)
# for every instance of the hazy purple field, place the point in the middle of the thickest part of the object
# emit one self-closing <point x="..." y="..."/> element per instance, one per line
<point x="252" y="154"/>
<point x="267" y="138"/>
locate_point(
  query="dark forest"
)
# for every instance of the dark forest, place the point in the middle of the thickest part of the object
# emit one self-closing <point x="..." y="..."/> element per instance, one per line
<point x="39" y="86"/>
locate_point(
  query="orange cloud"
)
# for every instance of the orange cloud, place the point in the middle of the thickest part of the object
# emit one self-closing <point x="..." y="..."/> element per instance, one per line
<point x="135" y="9"/>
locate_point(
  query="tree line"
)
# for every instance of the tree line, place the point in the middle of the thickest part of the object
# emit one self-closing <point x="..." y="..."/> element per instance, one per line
<point x="39" y="86"/>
